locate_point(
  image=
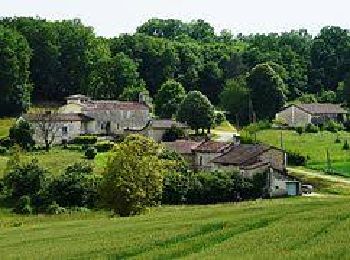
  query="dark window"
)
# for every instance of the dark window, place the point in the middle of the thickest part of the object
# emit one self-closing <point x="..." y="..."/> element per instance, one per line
<point x="64" y="130"/>
<point x="277" y="187"/>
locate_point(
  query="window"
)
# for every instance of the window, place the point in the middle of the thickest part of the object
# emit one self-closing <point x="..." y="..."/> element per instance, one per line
<point x="200" y="160"/>
<point x="65" y="130"/>
<point x="277" y="187"/>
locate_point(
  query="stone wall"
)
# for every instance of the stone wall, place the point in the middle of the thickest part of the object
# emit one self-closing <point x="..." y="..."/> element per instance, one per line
<point x="275" y="157"/>
<point x="294" y="116"/>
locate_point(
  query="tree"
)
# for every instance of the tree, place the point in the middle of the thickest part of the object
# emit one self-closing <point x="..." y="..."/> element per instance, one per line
<point x="112" y="75"/>
<point x="235" y="99"/>
<point x="172" y="134"/>
<point x="168" y="99"/>
<point x="47" y="124"/>
<point x="211" y="81"/>
<point x="15" y="89"/>
<point x="133" y="93"/>
<point x="21" y="133"/>
<point x="133" y="176"/>
<point x="267" y="91"/>
<point x="197" y="111"/>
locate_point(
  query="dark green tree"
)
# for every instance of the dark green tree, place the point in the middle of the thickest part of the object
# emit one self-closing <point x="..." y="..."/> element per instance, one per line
<point x="197" y="111"/>
<point x="15" y="88"/>
<point x="168" y="99"/>
<point x="267" y="91"/>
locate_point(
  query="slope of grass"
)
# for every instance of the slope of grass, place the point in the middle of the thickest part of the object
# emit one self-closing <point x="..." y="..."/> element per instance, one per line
<point x="298" y="228"/>
<point x="57" y="159"/>
<point x="5" y="124"/>
<point x="313" y="145"/>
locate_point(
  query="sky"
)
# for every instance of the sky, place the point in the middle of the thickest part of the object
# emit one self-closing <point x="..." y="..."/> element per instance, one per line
<point x="110" y="18"/>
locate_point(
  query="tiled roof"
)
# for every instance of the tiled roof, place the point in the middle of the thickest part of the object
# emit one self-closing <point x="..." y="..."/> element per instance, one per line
<point x="243" y="154"/>
<point x="181" y="146"/>
<point x="167" y="123"/>
<point x="316" y="108"/>
<point x="211" y="147"/>
<point x="113" y="105"/>
<point x="57" y="117"/>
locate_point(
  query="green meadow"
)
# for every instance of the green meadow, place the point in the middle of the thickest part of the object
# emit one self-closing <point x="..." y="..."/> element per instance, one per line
<point x="313" y="145"/>
<point x="295" y="228"/>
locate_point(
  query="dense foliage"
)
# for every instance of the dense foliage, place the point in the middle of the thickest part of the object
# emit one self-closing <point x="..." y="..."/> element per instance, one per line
<point x="48" y="60"/>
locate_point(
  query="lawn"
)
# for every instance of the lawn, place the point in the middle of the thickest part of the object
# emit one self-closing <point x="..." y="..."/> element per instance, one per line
<point x="313" y="145"/>
<point x="57" y="159"/>
<point x="296" y="228"/>
<point x="5" y="124"/>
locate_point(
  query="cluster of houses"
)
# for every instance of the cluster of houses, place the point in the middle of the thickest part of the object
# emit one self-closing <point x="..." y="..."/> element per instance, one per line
<point x="81" y="116"/>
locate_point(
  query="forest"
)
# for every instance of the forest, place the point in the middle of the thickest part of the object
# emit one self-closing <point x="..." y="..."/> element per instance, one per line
<point x="44" y="61"/>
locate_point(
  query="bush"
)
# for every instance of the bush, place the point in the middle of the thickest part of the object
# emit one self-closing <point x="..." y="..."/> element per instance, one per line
<point x="172" y="134"/>
<point x="337" y="140"/>
<point x="311" y="128"/>
<point x="332" y="126"/>
<point x="6" y="142"/>
<point x="299" y="130"/>
<point x="210" y="187"/>
<point x="3" y="150"/>
<point x="76" y="187"/>
<point x="346" y="145"/>
<point x="85" y="139"/>
<point x="90" y="153"/>
<point x="25" y="179"/>
<point x="55" y="209"/>
<point x="296" y="159"/>
<point x="103" y="147"/>
<point x="219" y="118"/>
<point x="21" y="133"/>
<point x="23" y="206"/>
<point x="346" y="125"/>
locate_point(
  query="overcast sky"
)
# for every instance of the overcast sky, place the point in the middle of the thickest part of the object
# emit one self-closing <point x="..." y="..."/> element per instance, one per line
<point x="110" y="18"/>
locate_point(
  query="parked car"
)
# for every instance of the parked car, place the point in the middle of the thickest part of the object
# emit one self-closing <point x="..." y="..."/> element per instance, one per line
<point x="306" y="189"/>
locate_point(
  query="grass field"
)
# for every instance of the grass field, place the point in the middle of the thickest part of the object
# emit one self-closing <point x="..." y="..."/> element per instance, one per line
<point x="313" y="145"/>
<point x="5" y="124"/>
<point x="57" y="159"/>
<point x="298" y="228"/>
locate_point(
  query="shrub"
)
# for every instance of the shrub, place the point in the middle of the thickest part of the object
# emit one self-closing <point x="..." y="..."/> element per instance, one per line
<point x="172" y="134"/>
<point x="3" y="150"/>
<point x="85" y="139"/>
<point x="346" y="145"/>
<point x="133" y="177"/>
<point x="337" y="140"/>
<point x="332" y="126"/>
<point x="299" y="130"/>
<point x="219" y="118"/>
<point x="6" y="142"/>
<point x="311" y="128"/>
<point x="90" y="153"/>
<point x="76" y="187"/>
<point x="21" y="133"/>
<point x="296" y="159"/>
<point x="346" y="125"/>
<point x="105" y="146"/>
<point x="23" y="205"/>
<point x="55" y="209"/>
<point x="25" y="179"/>
<point x="175" y="188"/>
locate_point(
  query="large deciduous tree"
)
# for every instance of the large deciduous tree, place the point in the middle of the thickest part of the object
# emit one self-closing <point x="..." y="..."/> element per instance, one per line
<point x="15" y="88"/>
<point x="267" y="91"/>
<point x="197" y="111"/>
<point x="168" y="99"/>
<point x="133" y="176"/>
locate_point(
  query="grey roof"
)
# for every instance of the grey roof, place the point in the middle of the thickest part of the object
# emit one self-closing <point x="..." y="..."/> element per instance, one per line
<point x="181" y="146"/>
<point x="322" y="108"/>
<point x="243" y="154"/>
<point x="167" y="123"/>
<point x="56" y="117"/>
<point x="98" y="105"/>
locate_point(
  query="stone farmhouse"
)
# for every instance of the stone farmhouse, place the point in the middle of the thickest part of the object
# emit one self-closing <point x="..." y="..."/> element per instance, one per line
<point x="84" y="116"/>
<point x="247" y="159"/>
<point x="303" y="114"/>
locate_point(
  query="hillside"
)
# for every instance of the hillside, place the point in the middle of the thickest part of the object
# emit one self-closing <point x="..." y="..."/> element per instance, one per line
<point x="298" y="228"/>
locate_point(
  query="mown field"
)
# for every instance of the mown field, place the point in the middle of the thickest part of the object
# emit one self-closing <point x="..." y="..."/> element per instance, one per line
<point x="313" y="145"/>
<point x="5" y="124"/>
<point x="297" y="228"/>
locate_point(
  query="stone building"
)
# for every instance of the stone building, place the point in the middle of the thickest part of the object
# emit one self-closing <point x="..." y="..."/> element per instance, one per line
<point x="83" y="116"/>
<point x="303" y="114"/>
